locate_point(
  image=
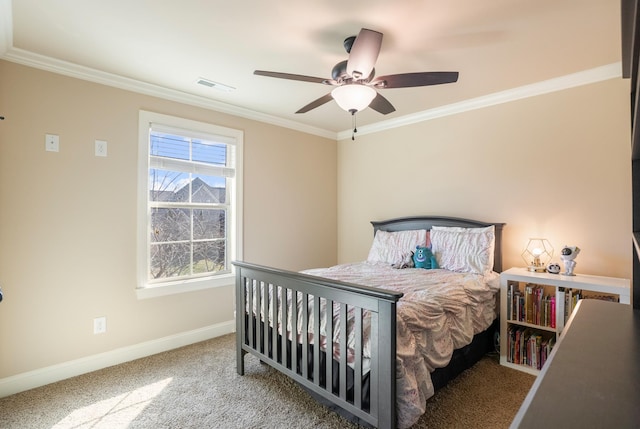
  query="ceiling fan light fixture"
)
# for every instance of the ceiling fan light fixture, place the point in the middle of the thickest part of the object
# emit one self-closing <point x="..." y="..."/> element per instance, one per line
<point x="353" y="96"/>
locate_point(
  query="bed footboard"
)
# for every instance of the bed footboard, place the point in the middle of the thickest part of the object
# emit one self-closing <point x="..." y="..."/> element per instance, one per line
<point x="287" y="337"/>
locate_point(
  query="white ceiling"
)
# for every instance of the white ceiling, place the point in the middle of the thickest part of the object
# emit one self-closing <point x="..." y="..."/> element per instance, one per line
<point x="495" y="45"/>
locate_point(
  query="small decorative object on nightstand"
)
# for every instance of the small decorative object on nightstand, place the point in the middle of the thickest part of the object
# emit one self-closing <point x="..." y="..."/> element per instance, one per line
<point x="553" y="268"/>
<point x="569" y="253"/>
<point x="537" y="254"/>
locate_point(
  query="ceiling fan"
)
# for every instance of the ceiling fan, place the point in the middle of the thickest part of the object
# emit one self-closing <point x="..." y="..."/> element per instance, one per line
<point x="355" y="81"/>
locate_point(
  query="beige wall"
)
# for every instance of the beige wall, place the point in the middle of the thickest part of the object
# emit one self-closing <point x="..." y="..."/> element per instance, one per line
<point x="555" y="166"/>
<point x="68" y="219"/>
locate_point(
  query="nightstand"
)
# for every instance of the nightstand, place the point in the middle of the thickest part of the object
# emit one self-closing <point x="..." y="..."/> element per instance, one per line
<point x="534" y="308"/>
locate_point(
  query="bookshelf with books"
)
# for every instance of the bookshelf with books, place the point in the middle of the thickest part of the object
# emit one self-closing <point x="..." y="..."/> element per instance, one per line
<point x="534" y="308"/>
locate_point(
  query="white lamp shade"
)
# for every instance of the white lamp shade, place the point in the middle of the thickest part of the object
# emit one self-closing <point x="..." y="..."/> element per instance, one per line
<point x="353" y="96"/>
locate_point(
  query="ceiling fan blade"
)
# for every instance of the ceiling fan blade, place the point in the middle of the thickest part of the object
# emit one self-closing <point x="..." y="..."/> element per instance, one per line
<point x="408" y="80"/>
<point x="364" y="53"/>
<point x="382" y="105"/>
<point x="316" y="103"/>
<point x="290" y="76"/>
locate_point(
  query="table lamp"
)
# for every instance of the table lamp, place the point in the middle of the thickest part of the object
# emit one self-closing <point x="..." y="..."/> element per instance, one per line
<point x="537" y="254"/>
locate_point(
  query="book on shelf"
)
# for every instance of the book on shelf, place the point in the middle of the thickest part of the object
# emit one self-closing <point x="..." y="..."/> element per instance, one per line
<point x="528" y="302"/>
<point x="510" y="301"/>
<point x="545" y="350"/>
<point x="525" y="346"/>
<point x="531" y="305"/>
<point x="515" y="304"/>
<point x="571" y="298"/>
<point x="559" y="320"/>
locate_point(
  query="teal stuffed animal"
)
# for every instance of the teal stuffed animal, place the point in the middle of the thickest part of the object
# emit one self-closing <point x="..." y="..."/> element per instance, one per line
<point x="423" y="258"/>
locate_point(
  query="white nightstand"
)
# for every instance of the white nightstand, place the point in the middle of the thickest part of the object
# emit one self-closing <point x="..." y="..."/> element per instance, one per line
<point x="535" y="306"/>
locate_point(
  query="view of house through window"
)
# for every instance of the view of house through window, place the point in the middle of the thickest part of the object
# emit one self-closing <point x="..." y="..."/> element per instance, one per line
<point x="191" y="186"/>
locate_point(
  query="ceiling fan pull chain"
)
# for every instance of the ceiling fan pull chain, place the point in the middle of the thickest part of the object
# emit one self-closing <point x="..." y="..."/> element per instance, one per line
<point x="353" y="123"/>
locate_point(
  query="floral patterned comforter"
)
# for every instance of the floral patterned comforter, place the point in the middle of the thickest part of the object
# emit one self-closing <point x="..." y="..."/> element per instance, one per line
<point x="440" y="311"/>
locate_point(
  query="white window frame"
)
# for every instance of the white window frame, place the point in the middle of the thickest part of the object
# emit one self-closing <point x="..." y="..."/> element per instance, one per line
<point x="145" y="289"/>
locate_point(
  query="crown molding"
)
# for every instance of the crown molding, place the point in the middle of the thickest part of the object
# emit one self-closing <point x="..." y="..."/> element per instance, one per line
<point x="30" y="59"/>
<point x="53" y="65"/>
<point x="586" y="77"/>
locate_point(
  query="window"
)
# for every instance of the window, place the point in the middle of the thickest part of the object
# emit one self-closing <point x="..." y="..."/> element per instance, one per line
<point x="190" y="184"/>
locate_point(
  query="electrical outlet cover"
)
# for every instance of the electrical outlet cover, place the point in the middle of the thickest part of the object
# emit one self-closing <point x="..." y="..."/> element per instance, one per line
<point x="99" y="325"/>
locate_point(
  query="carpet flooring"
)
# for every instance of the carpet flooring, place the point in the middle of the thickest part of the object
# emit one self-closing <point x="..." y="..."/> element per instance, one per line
<point x="197" y="387"/>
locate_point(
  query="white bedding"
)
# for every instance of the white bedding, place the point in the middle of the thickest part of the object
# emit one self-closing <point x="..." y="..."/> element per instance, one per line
<point x="440" y="311"/>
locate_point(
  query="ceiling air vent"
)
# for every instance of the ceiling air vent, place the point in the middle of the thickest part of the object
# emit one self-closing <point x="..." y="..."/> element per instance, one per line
<point x="214" y="85"/>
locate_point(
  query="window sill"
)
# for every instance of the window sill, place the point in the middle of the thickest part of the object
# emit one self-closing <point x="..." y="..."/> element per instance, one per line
<point x="184" y="286"/>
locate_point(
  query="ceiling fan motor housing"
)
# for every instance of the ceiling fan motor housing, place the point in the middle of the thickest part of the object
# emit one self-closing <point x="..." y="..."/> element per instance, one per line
<point x="348" y="43"/>
<point x="339" y="73"/>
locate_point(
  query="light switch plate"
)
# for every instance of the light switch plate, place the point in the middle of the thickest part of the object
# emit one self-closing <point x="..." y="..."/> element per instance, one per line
<point x="101" y="148"/>
<point x="52" y="143"/>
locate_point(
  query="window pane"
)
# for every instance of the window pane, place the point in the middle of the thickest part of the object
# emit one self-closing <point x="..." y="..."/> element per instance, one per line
<point x="209" y="152"/>
<point x="208" y="189"/>
<point x="208" y="224"/>
<point x="168" y="186"/>
<point x="209" y="256"/>
<point x="172" y="224"/>
<point x="169" y="146"/>
<point x="170" y="260"/>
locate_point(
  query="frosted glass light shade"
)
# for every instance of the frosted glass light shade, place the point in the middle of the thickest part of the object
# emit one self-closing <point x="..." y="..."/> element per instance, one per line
<point x="353" y="96"/>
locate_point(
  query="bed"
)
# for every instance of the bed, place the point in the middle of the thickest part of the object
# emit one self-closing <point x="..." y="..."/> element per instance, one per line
<point x="373" y="340"/>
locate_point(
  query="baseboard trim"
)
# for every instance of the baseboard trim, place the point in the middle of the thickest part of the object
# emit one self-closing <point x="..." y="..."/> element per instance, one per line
<point x="40" y="377"/>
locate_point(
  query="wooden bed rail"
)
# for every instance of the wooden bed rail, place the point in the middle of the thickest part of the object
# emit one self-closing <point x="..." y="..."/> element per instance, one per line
<point x="259" y="289"/>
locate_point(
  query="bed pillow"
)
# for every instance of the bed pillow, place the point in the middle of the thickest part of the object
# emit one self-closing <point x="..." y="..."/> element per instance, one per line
<point x="393" y="247"/>
<point x="466" y="250"/>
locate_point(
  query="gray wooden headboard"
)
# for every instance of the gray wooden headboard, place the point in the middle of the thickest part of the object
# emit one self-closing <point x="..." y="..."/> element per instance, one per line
<point x="426" y="222"/>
